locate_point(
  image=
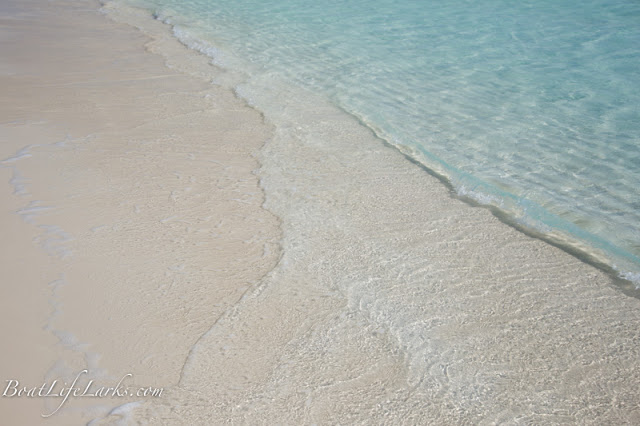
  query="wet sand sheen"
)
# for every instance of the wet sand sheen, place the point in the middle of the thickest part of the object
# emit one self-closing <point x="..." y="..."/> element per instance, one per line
<point x="385" y="300"/>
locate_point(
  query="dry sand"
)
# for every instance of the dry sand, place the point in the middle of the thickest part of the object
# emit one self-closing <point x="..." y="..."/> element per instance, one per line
<point x="131" y="216"/>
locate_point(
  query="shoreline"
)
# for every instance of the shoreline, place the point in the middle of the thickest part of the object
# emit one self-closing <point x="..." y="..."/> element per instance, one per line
<point x="572" y="247"/>
<point x="335" y="235"/>
<point x="359" y="289"/>
<point x="539" y="222"/>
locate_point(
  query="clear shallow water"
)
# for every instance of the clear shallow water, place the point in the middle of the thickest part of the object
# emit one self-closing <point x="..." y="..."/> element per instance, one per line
<point x="531" y="107"/>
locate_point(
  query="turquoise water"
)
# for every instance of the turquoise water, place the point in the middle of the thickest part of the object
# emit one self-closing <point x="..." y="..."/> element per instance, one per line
<point x="532" y="107"/>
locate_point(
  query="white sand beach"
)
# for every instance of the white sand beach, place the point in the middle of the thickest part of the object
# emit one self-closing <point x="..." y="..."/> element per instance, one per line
<point x="155" y="224"/>
<point x="131" y="216"/>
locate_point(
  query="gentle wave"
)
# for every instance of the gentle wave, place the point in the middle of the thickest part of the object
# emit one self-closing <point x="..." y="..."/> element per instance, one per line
<point x="528" y="109"/>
